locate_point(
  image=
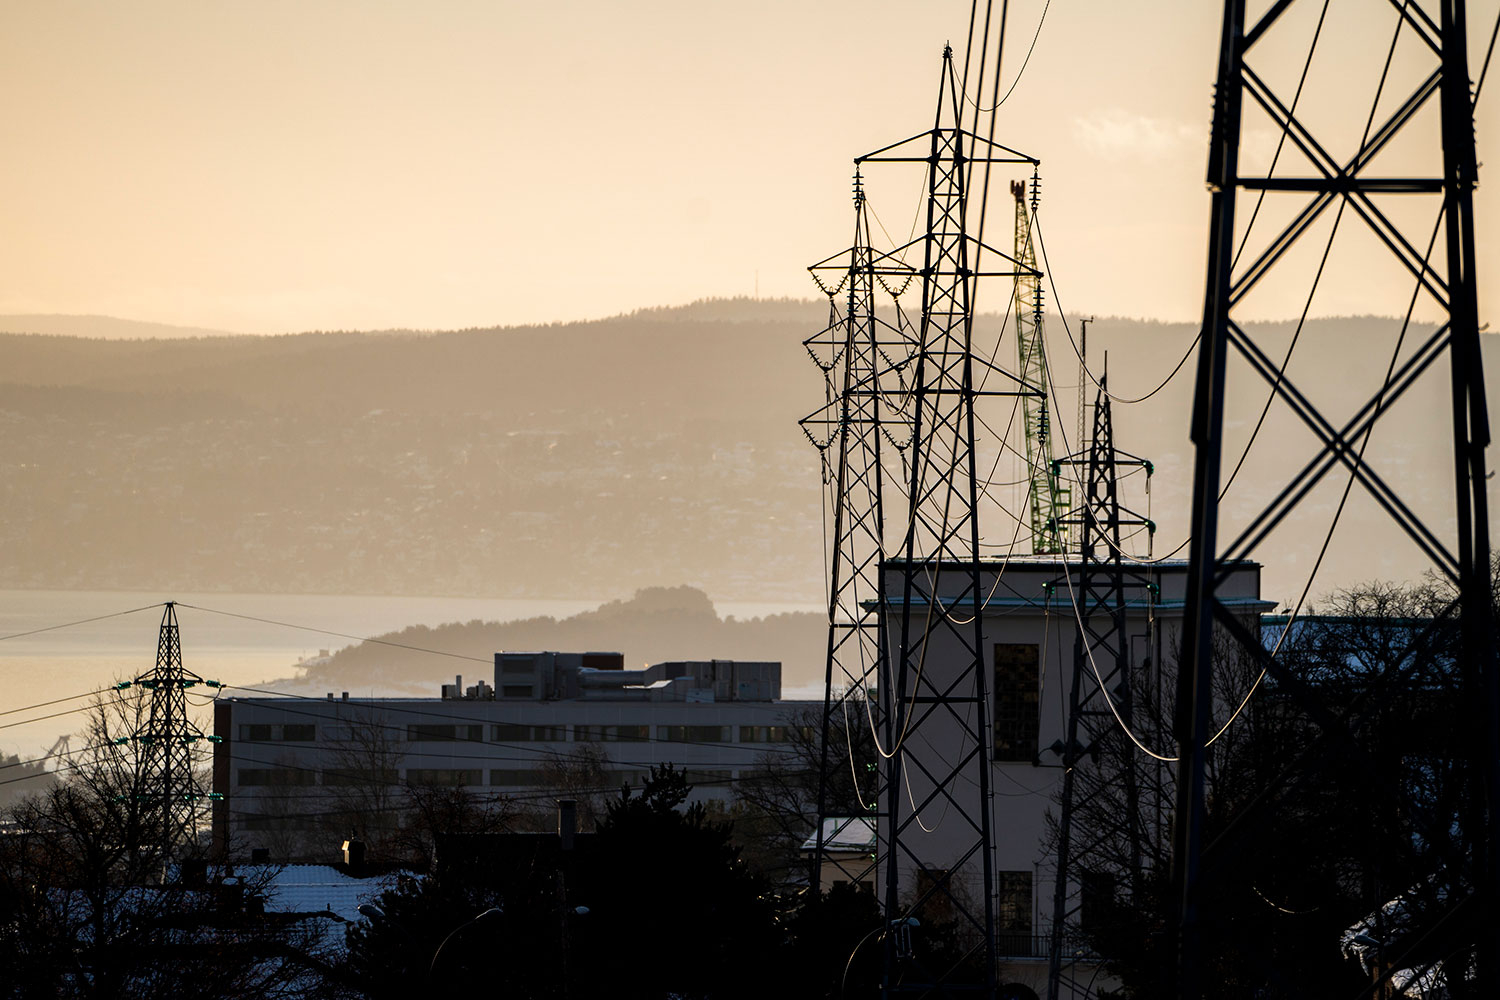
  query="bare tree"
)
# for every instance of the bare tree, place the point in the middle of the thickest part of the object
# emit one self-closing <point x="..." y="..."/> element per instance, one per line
<point x="776" y="808"/>
<point x="435" y="810"/>
<point x="582" y="774"/>
<point x="90" y="908"/>
<point x="1334" y="783"/>
<point x="362" y="790"/>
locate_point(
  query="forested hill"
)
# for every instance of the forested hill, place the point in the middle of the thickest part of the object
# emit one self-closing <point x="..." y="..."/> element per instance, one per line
<point x="659" y="623"/>
<point x="656" y="448"/>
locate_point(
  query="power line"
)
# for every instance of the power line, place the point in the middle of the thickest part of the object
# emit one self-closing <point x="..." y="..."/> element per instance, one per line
<point x="1244" y="239"/>
<point x="81" y="621"/>
<point x="56" y="701"/>
<point x="340" y="635"/>
<point x="53" y="715"/>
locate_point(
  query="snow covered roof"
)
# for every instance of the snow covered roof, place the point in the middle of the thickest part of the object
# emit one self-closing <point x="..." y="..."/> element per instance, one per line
<point x="311" y="888"/>
<point x="1387" y="929"/>
<point x="323" y="891"/>
<point x="844" y="833"/>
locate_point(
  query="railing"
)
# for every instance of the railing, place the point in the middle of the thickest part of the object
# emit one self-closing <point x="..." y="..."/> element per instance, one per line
<point x="1011" y="945"/>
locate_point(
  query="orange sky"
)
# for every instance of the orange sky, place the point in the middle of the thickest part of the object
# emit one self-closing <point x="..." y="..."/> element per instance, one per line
<point x="309" y="164"/>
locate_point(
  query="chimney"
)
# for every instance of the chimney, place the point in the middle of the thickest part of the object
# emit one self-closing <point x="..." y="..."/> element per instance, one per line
<point x="346" y="696"/>
<point x="194" y="872"/>
<point x="567" y="822"/>
<point x="354" y="854"/>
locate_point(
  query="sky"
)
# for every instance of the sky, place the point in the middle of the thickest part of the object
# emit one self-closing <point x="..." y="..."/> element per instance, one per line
<point x="315" y="164"/>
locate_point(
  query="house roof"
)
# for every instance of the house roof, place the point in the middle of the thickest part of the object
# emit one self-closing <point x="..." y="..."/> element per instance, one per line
<point x="844" y="833"/>
<point x="320" y="888"/>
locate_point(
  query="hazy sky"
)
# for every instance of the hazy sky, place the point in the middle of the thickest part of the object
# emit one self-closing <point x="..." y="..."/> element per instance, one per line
<point x="277" y="166"/>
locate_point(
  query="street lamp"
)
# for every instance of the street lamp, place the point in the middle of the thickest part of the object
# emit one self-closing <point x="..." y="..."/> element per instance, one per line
<point x="489" y="914"/>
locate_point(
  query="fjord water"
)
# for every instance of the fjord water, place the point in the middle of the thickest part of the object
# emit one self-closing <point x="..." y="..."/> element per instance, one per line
<point x="85" y="657"/>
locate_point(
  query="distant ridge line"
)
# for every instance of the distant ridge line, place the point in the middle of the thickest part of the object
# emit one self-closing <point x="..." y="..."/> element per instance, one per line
<point x="97" y="327"/>
<point x="731" y="309"/>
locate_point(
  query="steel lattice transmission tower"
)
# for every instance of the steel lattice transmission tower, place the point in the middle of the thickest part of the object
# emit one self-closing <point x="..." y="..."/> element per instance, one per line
<point x="1101" y="687"/>
<point x="1049" y="500"/>
<point x="173" y="795"/>
<point x="1458" y="550"/>
<point x="937" y="817"/>
<point x="863" y="358"/>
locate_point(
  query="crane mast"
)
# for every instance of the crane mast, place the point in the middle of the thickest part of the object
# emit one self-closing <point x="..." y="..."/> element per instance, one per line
<point x="1049" y="501"/>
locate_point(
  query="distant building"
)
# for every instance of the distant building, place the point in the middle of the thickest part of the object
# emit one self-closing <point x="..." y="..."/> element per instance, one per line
<point x="848" y="852"/>
<point x="287" y="767"/>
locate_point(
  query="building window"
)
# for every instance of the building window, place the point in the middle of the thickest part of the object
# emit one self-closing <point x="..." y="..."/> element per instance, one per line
<point x="444" y="776"/>
<point x="595" y="734"/>
<point x="693" y="734"/>
<point x="278" y="733"/>
<point x="360" y="777"/>
<point x="515" y="691"/>
<point x="1013" y="913"/>
<point x="707" y="776"/>
<point x="1017" y="702"/>
<point x="773" y="734"/>
<point x="273" y="824"/>
<point x="934" y="895"/>
<point x="368" y="734"/>
<point x="425" y="733"/>
<point x="274" y="776"/>
<point x="1097" y="901"/>
<point x="516" y="777"/>
<point x="511" y="733"/>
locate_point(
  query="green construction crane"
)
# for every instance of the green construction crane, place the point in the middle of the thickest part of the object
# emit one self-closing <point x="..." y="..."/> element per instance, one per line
<point x="1049" y="499"/>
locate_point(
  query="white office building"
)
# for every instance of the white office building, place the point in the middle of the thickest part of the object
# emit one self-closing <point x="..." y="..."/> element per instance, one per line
<point x="284" y="766"/>
<point x="1028" y="627"/>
